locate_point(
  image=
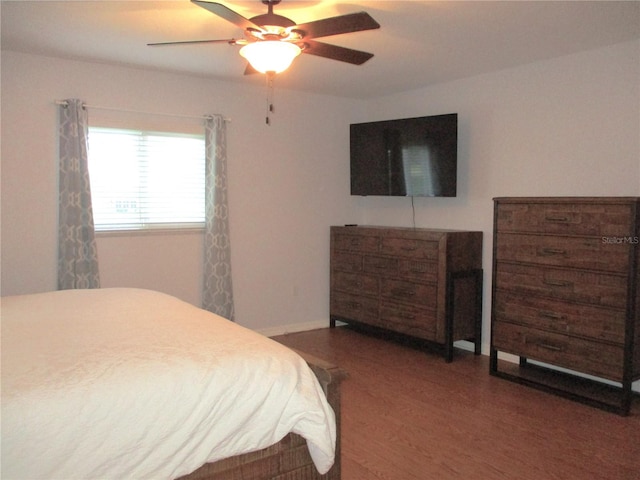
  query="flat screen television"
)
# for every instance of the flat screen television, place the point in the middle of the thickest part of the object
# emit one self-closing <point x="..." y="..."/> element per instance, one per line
<point x="405" y="157"/>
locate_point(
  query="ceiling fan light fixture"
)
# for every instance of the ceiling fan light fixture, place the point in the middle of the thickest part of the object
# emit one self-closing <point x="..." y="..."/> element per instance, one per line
<point x="270" y="55"/>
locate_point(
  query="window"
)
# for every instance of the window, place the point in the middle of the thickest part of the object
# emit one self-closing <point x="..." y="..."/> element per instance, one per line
<point x="144" y="180"/>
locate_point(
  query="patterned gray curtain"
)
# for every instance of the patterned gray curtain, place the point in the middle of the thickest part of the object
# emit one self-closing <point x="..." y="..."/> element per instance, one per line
<point x="217" y="294"/>
<point x="77" y="252"/>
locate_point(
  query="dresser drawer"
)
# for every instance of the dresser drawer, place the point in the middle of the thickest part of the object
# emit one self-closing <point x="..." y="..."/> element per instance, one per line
<point x="600" y="324"/>
<point x="380" y="265"/>
<point x="410" y="320"/>
<point x="418" y="270"/>
<point x="356" y="243"/>
<point x="575" y="252"/>
<point x="571" y="218"/>
<point x="355" y="283"/>
<point x="409" y="247"/>
<point x="354" y="307"/>
<point x="409" y="292"/>
<point x="585" y="356"/>
<point x="601" y="289"/>
<point x="346" y="262"/>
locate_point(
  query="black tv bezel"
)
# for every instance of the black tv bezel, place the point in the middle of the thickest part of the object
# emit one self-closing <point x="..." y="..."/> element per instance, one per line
<point x="452" y="190"/>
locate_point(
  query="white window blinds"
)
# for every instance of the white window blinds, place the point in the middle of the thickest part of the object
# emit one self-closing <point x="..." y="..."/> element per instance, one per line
<point x="143" y="180"/>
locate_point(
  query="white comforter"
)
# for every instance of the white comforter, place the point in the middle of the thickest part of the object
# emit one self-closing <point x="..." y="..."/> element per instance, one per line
<point x="128" y="383"/>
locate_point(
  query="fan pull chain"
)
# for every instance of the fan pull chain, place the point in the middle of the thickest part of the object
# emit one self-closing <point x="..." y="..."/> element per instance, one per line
<point x="270" y="109"/>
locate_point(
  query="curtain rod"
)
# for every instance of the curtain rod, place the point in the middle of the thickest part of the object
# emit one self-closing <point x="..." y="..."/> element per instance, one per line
<point x="85" y="105"/>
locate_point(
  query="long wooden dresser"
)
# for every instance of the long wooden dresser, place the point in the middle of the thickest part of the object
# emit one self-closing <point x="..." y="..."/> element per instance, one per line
<point x="417" y="282"/>
<point x="565" y="294"/>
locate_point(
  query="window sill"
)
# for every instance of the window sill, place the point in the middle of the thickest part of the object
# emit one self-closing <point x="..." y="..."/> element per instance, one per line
<point x="150" y="231"/>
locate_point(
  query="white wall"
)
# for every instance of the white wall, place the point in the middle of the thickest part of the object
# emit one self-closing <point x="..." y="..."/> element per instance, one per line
<point x="569" y="126"/>
<point x="288" y="183"/>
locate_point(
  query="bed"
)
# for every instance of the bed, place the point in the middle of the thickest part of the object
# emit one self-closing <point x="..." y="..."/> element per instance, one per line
<point x="125" y="383"/>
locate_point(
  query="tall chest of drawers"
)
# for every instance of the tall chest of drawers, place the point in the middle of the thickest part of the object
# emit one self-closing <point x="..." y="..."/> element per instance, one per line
<point x="565" y="294"/>
<point x="422" y="283"/>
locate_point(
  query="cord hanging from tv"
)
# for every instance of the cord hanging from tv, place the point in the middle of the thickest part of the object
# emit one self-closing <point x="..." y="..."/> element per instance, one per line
<point x="414" y="157"/>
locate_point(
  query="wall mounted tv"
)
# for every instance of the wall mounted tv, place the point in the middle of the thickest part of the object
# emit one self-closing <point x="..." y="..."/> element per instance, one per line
<point x="405" y="157"/>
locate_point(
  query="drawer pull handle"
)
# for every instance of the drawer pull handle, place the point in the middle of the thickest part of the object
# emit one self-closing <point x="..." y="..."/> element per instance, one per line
<point x="355" y="242"/>
<point x="404" y="293"/>
<point x="418" y="268"/>
<point x="551" y="315"/>
<point x="557" y="283"/>
<point x="557" y="219"/>
<point x="407" y="248"/>
<point x="553" y="251"/>
<point x="553" y="348"/>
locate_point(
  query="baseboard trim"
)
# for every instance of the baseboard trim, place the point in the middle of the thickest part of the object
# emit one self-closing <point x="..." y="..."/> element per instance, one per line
<point x="315" y="325"/>
<point x="293" y="328"/>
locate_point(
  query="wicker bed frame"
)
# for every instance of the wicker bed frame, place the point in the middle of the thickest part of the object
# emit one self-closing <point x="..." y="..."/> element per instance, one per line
<point x="288" y="459"/>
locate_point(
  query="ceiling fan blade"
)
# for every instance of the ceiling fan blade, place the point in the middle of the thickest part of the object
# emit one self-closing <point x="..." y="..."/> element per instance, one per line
<point x="334" y="52"/>
<point x="230" y="41"/>
<point x="228" y="14"/>
<point x="352" y="22"/>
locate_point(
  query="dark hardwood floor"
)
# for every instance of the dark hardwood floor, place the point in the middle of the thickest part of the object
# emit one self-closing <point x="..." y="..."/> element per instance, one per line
<point x="406" y="414"/>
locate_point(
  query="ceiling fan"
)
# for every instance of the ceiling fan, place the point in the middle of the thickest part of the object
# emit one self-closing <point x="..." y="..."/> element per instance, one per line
<point x="272" y="41"/>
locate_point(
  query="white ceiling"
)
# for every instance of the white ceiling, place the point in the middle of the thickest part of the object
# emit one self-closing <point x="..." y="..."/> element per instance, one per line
<point x="419" y="43"/>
